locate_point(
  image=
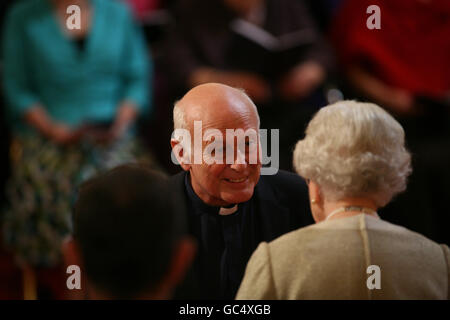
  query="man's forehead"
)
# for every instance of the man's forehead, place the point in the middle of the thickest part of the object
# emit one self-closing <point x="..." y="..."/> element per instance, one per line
<point x="232" y="136"/>
<point x="243" y="120"/>
<point x="220" y="106"/>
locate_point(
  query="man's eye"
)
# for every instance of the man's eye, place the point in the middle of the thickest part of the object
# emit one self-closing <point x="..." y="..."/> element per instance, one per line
<point x="217" y="150"/>
<point x="251" y="145"/>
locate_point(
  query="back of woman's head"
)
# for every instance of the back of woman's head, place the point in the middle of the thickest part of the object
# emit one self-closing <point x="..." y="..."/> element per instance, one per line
<point x="354" y="149"/>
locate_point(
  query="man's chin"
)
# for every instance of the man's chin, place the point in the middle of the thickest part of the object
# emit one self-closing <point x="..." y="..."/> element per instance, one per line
<point x="237" y="196"/>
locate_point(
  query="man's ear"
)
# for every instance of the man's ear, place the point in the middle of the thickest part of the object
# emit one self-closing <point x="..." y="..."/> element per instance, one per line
<point x="182" y="257"/>
<point x="180" y="154"/>
<point x="71" y="253"/>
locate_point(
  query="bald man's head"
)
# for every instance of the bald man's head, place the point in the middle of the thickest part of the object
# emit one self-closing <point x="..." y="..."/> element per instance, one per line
<point x="218" y="109"/>
<point x="213" y="103"/>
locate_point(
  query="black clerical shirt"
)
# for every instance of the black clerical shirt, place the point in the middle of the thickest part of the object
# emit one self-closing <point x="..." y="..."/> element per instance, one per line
<point x="225" y="242"/>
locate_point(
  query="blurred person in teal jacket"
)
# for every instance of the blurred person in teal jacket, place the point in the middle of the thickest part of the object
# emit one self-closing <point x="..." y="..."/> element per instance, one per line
<point x="73" y="98"/>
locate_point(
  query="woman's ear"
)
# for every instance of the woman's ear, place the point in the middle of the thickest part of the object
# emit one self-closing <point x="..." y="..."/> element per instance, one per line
<point x="316" y="201"/>
<point x="314" y="192"/>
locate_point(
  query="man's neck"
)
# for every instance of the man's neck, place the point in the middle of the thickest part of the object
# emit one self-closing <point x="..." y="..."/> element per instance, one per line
<point x="206" y="197"/>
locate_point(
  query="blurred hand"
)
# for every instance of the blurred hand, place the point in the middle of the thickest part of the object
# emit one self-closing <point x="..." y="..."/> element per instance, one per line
<point x="301" y="80"/>
<point x="37" y="117"/>
<point x="254" y="85"/>
<point x="400" y="101"/>
<point x="126" y="115"/>
<point x="63" y="135"/>
<point x="102" y="136"/>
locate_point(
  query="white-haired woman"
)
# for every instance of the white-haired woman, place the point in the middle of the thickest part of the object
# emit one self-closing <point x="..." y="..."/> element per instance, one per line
<point x="355" y="161"/>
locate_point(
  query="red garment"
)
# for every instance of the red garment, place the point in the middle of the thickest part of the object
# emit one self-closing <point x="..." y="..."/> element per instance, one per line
<point x="142" y="7"/>
<point x="411" y="50"/>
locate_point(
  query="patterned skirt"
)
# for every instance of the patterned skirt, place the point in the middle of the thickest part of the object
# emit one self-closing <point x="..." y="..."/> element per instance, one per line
<point x="42" y="190"/>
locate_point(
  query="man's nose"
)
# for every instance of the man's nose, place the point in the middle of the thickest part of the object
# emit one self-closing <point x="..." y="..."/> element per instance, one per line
<point x="238" y="167"/>
<point x="239" y="163"/>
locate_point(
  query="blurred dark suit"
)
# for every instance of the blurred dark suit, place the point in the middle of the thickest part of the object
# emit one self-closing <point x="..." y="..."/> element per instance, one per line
<point x="280" y="204"/>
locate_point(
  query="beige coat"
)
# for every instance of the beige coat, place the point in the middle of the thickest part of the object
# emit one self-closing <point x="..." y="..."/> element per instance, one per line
<point x="329" y="260"/>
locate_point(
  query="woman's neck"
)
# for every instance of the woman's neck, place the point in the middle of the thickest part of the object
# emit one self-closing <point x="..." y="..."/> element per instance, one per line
<point x="349" y="207"/>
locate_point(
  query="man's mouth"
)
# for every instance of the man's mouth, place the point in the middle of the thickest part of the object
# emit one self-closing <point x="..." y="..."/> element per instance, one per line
<point x="236" y="180"/>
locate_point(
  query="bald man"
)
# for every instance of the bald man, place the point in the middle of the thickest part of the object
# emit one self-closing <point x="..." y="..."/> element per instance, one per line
<point x="231" y="207"/>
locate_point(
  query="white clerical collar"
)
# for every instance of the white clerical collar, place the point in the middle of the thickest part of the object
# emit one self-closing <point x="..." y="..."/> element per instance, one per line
<point x="227" y="211"/>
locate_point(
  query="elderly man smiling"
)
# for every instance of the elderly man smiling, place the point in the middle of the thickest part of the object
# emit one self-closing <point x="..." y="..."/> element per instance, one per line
<point x="231" y="206"/>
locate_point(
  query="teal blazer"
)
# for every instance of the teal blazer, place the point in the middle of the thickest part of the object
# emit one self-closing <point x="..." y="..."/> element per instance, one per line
<point x="43" y="65"/>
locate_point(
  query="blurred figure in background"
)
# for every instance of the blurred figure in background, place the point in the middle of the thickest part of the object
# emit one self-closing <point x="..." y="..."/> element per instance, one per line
<point x="270" y="48"/>
<point x="10" y="277"/>
<point x="355" y="161"/>
<point x="324" y="11"/>
<point x="129" y="239"/>
<point x="73" y="97"/>
<point x="4" y="132"/>
<point x="405" y="67"/>
<point x="141" y="8"/>
<point x="403" y="62"/>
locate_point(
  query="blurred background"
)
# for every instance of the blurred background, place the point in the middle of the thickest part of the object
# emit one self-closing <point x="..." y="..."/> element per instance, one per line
<point x="75" y="103"/>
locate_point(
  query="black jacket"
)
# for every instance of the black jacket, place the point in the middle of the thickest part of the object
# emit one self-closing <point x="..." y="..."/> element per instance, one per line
<point x="282" y="205"/>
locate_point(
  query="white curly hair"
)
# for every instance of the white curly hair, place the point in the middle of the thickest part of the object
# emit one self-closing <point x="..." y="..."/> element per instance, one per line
<point x="354" y="149"/>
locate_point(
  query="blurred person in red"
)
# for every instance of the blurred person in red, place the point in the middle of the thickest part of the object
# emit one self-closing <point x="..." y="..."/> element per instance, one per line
<point x="404" y="66"/>
<point x="143" y="7"/>
<point x="406" y="59"/>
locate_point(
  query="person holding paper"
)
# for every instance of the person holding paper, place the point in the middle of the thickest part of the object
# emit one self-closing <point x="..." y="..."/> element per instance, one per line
<point x="270" y="48"/>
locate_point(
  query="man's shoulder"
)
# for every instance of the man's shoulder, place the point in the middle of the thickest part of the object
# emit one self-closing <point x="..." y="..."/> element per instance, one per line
<point x="284" y="181"/>
<point x="283" y="175"/>
<point x="178" y="178"/>
<point x="288" y="190"/>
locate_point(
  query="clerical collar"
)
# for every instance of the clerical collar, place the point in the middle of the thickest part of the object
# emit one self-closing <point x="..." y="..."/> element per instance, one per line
<point x="200" y="206"/>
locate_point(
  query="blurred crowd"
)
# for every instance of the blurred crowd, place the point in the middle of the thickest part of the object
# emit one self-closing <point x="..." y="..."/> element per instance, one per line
<point x="77" y="102"/>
